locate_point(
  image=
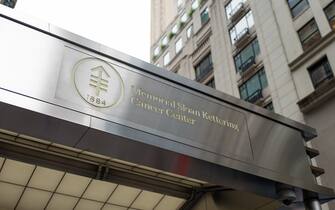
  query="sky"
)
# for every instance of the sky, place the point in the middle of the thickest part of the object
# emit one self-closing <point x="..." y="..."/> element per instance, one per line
<point x="123" y="25"/>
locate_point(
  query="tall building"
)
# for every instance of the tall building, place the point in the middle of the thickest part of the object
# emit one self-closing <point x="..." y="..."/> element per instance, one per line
<point x="8" y="3"/>
<point x="277" y="54"/>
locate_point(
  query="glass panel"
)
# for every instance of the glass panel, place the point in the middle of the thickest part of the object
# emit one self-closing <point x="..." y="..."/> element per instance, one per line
<point x="233" y="7"/>
<point x="189" y="31"/>
<point x="309" y="34"/>
<point x="292" y="3"/>
<point x="256" y="47"/>
<point x="179" y="3"/>
<point x="204" y="16"/>
<point x="330" y="13"/>
<point x="247" y="56"/>
<point x="184" y="18"/>
<point x="165" y="40"/>
<point x="156" y="51"/>
<point x="250" y="19"/>
<point x="255" y="83"/>
<point x="175" y="29"/>
<point x="166" y="59"/>
<point x="204" y="67"/>
<point x="195" y="4"/>
<point x="240" y="27"/>
<point x="179" y="45"/>
<point x="211" y="83"/>
<point x="269" y="107"/>
<point x="299" y="8"/>
<point x="320" y="72"/>
<point x="308" y="30"/>
<point x="243" y="92"/>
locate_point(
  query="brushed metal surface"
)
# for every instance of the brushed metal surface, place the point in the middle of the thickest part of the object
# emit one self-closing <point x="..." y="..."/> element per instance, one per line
<point x="37" y="71"/>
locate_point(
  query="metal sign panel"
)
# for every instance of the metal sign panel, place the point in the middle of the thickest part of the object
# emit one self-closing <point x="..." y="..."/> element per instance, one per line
<point x="127" y="95"/>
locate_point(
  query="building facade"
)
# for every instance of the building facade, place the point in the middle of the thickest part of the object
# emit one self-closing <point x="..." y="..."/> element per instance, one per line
<point x="277" y="54"/>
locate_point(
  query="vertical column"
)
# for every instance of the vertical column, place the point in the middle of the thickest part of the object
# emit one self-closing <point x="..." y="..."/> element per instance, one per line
<point x="312" y="204"/>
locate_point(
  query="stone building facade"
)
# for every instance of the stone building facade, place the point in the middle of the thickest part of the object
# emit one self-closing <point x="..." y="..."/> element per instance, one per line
<point x="278" y="54"/>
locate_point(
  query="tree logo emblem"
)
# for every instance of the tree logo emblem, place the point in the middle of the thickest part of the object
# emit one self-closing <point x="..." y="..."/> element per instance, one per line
<point x="98" y="82"/>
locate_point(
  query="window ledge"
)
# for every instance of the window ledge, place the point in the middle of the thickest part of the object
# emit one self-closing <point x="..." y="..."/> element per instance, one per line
<point x="309" y="53"/>
<point x="323" y="93"/>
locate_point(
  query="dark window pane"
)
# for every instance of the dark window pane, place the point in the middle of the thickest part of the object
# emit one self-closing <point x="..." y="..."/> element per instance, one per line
<point x="247" y="56"/>
<point x="297" y="6"/>
<point x="269" y="106"/>
<point x="204" y="67"/>
<point x="330" y="13"/>
<point x="204" y="16"/>
<point x="251" y="90"/>
<point x="211" y="83"/>
<point x="309" y="34"/>
<point x="292" y="3"/>
<point x="320" y="72"/>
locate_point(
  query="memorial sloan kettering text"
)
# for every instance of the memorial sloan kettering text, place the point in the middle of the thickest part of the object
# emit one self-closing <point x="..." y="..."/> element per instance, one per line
<point x="175" y="110"/>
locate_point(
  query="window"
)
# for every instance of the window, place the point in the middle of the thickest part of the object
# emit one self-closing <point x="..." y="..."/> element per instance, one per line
<point x="245" y="58"/>
<point x="204" y="16"/>
<point x="309" y="34"/>
<point x="165" y="41"/>
<point x="179" y="3"/>
<point x="251" y="90"/>
<point x="297" y="6"/>
<point x="189" y="31"/>
<point x="320" y="72"/>
<point x="166" y="59"/>
<point x="204" y="67"/>
<point x="195" y="4"/>
<point x="269" y="106"/>
<point x="330" y="13"/>
<point x="175" y="29"/>
<point x="233" y="6"/>
<point x="9" y="3"/>
<point x="156" y="51"/>
<point x="211" y="83"/>
<point x="241" y="27"/>
<point x="179" y="45"/>
<point x="184" y="18"/>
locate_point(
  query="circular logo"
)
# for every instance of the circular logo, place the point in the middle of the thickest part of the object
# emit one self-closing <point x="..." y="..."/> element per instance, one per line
<point x="98" y="82"/>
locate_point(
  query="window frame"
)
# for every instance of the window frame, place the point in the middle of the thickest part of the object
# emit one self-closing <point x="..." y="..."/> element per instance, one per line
<point x="331" y="20"/>
<point x="326" y="68"/>
<point x="189" y="35"/>
<point x="164" y="60"/>
<point x="305" y="42"/>
<point x="296" y="5"/>
<point x="204" y="21"/>
<point x="211" y="83"/>
<point x="229" y="5"/>
<point x="263" y="86"/>
<point x="237" y="34"/>
<point x="239" y="55"/>
<point x="201" y="74"/>
<point x="178" y="50"/>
